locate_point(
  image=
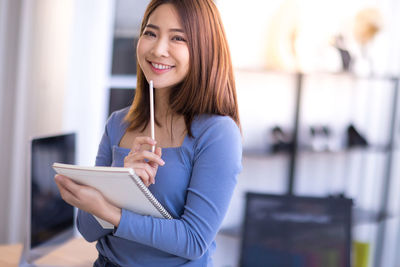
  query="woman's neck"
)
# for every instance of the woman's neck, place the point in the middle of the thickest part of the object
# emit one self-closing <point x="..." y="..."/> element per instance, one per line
<point x="162" y="111"/>
<point x="171" y="129"/>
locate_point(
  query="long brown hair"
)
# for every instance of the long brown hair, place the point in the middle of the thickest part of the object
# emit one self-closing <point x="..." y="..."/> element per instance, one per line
<point x="209" y="87"/>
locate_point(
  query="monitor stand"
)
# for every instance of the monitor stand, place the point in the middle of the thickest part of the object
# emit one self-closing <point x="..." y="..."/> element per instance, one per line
<point x="30" y="255"/>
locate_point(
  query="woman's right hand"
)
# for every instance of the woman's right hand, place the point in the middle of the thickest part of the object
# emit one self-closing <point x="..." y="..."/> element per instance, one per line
<point x="145" y="163"/>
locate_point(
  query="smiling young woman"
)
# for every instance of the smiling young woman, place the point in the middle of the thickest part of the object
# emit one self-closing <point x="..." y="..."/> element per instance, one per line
<point x="209" y="86"/>
<point x="162" y="50"/>
<point x="193" y="172"/>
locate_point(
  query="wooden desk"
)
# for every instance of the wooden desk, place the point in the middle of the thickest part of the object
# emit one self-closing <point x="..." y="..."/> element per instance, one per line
<point x="74" y="253"/>
<point x="79" y="253"/>
<point x="9" y="255"/>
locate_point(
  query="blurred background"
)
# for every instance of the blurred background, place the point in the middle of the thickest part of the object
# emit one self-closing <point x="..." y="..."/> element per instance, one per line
<point x="317" y="84"/>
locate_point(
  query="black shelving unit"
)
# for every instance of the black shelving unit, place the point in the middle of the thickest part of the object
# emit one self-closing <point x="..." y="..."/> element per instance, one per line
<point x="383" y="210"/>
<point x="294" y="151"/>
<point x="387" y="179"/>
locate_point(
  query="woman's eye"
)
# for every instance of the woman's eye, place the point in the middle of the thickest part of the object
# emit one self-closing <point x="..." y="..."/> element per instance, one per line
<point x="179" y="38"/>
<point x="149" y="33"/>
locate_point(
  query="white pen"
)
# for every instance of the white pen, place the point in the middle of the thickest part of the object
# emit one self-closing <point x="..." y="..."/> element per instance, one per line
<point x="153" y="148"/>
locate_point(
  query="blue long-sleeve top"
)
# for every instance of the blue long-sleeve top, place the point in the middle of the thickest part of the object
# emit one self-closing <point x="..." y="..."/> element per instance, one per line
<point x="195" y="185"/>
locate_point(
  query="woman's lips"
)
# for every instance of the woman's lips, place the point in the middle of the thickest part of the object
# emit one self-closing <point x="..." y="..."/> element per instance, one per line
<point x="160" y="68"/>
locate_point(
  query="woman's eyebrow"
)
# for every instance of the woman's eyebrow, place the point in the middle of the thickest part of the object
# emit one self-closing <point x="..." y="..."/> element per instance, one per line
<point x="158" y="28"/>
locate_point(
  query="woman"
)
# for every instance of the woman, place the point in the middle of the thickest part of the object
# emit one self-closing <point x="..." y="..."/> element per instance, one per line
<point x="183" y="49"/>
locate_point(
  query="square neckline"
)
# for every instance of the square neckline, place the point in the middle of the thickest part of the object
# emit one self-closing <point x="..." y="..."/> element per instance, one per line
<point x="125" y="127"/>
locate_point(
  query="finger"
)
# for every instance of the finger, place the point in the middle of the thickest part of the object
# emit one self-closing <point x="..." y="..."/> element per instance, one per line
<point x="146" y="155"/>
<point x="151" y="171"/>
<point x="129" y="160"/>
<point x="67" y="195"/>
<point x="143" y="175"/>
<point x="60" y="181"/>
<point x="61" y="188"/>
<point x="142" y="140"/>
<point x="68" y="183"/>
<point x="146" y="173"/>
<point x="155" y="164"/>
<point x="158" y="151"/>
<point x="65" y="192"/>
<point x="71" y="186"/>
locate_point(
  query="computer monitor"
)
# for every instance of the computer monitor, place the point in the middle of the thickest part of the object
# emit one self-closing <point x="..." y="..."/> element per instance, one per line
<point x="120" y="98"/>
<point x="50" y="218"/>
<point x="294" y="231"/>
<point x="124" y="56"/>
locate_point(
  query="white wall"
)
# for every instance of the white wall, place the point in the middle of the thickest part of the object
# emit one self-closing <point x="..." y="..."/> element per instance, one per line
<point x="88" y="75"/>
<point x="253" y="25"/>
<point x="50" y="60"/>
<point x="54" y="79"/>
<point x="9" y="25"/>
<point x="42" y="59"/>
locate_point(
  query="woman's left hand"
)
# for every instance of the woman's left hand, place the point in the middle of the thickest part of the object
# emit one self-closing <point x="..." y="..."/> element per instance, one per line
<point x="88" y="199"/>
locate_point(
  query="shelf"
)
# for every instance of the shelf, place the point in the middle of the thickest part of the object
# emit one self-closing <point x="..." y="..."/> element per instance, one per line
<point x="349" y="75"/>
<point x="308" y="151"/>
<point x="263" y="154"/>
<point x="127" y="33"/>
<point x="368" y="149"/>
<point x="361" y="216"/>
<point x="122" y="81"/>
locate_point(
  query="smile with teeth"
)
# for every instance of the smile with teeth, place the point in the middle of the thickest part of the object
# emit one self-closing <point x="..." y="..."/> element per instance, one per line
<point x="160" y="66"/>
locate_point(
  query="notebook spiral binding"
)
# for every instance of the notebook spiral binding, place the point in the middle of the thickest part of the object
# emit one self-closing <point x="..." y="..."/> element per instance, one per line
<point x="150" y="197"/>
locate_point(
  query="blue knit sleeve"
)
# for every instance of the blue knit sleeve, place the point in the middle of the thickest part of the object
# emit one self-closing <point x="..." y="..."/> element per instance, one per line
<point x="216" y="163"/>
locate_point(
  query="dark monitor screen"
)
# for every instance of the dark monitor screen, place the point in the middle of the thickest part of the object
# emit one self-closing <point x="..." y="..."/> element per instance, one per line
<point x="120" y="98"/>
<point x="293" y="231"/>
<point x="50" y="215"/>
<point x="124" y="56"/>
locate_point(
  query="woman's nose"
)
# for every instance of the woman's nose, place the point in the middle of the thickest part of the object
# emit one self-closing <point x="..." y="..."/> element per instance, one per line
<point x="160" y="48"/>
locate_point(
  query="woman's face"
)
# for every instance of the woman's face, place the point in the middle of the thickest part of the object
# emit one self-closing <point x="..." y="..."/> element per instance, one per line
<point x="162" y="50"/>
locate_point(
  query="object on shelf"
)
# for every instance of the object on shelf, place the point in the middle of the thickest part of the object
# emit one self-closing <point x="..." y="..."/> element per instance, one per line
<point x="363" y="216"/>
<point x="367" y="24"/>
<point x="321" y="138"/>
<point x="339" y="44"/>
<point x="282" y="35"/>
<point x="361" y="251"/>
<point x="281" y="141"/>
<point x="354" y="138"/>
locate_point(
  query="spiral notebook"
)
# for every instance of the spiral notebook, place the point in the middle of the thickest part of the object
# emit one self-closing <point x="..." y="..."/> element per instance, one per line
<point x="121" y="186"/>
